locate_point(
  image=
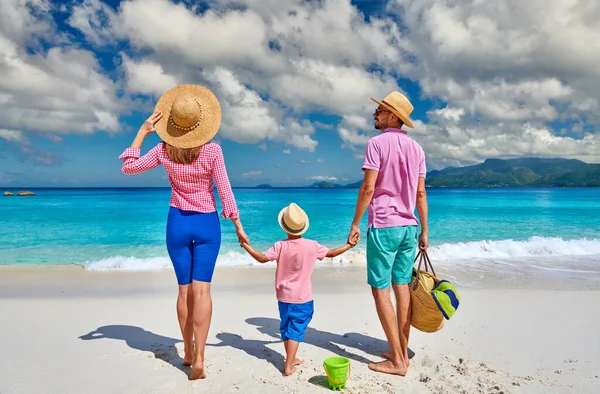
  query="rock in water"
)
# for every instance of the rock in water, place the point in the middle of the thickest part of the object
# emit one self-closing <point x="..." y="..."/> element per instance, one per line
<point x="9" y="194"/>
<point x="25" y="193"/>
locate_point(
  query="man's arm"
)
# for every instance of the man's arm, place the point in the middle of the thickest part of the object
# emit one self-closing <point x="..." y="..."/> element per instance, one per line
<point x="260" y="257"/>
<point x="365" y="194"/>
<point x="422" y="209"/>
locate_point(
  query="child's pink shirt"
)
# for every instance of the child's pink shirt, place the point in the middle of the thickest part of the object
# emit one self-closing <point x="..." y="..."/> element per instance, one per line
<point x="296" y="259"/>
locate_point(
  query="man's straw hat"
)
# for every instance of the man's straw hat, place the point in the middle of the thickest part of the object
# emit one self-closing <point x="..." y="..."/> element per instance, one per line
<point x="293" y="220"/>
<point x="191" y="116"/>
<point x="399" y="105"/>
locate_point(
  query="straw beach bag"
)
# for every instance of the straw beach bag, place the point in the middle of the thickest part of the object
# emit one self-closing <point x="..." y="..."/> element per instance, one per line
<point x="426" y="315"/>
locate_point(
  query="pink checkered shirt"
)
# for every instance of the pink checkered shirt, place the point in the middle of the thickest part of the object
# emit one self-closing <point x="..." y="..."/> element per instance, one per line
<point x="191" y="184"/>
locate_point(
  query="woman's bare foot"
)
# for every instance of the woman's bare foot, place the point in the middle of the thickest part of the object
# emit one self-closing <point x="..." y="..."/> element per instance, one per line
<point x="189" y="357"/>
<point x="388" y="367"/>
<point x="197" y="372"/>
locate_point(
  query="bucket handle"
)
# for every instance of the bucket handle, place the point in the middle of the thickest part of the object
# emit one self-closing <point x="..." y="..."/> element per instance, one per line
<point x="334" y="382"/>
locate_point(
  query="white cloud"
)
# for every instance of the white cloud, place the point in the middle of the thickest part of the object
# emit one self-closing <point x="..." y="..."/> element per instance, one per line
<point x="59" y="90"/>
<point x="287" y="151"/>
<point x="506" y="78"/>
<point x="322" y="178"/>
<point x="147" y="77"/>
<point x="251" y="174"/>
<point x="14" y="136"/>
<point x="510" y="67"/>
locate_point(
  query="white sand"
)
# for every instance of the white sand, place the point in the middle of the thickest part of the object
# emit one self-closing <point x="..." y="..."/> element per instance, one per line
<point x="66" y="330"/>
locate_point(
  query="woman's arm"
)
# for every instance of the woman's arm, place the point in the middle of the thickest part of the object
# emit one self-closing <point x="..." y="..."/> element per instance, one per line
<point x="132" y="162"/>
<point x="230" y="209"/>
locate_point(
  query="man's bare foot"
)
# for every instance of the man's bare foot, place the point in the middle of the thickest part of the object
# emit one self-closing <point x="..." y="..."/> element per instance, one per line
<point x="388" y="356"/>
<point x="388" y="367"/>
<point x="197" y="372"/>
<point x="297" y="361"/>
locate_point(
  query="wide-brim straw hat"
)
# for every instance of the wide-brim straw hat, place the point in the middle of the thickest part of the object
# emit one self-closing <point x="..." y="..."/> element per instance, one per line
<point x="191" y="116"/>
<point x="399" y="105"/>
<point x="293" y="220"/>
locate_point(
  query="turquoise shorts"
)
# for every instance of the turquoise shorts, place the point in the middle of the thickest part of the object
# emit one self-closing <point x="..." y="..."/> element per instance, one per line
<point x="390" y="255"/>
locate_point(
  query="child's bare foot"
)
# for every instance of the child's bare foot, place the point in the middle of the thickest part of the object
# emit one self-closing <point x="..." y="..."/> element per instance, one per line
<point x="388" y="367"/>
<point x="291" y="367"/>
<point x="197" y="372"/>
<point x="289" y="370"/>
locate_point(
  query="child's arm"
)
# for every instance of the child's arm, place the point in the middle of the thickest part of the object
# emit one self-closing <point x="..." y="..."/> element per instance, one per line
<point x="339" y="250"/>
<point x="260" y="257"/>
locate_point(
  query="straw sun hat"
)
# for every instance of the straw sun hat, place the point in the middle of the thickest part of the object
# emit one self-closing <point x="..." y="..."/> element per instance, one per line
<point x="191" y="116"/>
<point x="293" y="220"/>
<point x="399" y="105"/>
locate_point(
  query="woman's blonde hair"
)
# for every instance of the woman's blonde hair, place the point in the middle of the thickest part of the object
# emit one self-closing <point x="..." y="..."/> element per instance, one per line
<point x="182" y="155"/>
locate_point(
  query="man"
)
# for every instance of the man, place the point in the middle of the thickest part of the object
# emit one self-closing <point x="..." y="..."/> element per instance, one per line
<point x="394" y="182"/>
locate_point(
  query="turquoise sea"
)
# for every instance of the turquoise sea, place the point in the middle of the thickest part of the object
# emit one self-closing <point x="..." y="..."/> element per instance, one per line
<point x="474" y="233"/>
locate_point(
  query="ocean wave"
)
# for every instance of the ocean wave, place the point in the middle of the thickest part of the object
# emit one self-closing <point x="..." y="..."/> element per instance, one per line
<point x="228" y="259"/>
<point x="509" y="249"/>
<point x="506" y="252"/>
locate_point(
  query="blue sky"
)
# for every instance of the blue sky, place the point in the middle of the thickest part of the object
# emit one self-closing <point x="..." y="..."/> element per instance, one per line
<point x="294" y="79"/>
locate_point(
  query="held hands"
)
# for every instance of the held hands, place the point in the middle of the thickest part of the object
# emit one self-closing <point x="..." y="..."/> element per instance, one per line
<point x="148" y="125"/>
<point x="354" y="236"/>
<point x="242" y="237"/>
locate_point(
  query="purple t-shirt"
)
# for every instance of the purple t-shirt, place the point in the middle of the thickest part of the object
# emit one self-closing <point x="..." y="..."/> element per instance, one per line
<point x="400" y="161"/>
<point x="296" y="259"/>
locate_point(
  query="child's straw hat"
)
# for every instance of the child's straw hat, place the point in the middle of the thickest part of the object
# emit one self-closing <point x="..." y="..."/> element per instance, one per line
<point x="293" y="220"/>
<point x="191" y="116"/>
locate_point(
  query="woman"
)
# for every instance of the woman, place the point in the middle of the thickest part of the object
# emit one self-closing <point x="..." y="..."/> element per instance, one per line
<point x="186" y="118"/>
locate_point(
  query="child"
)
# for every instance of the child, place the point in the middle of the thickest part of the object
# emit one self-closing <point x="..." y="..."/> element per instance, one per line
<point x="296" y="258"/>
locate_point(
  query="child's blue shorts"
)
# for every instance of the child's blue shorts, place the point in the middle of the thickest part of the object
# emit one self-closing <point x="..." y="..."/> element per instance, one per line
<point x="295" y="319"/>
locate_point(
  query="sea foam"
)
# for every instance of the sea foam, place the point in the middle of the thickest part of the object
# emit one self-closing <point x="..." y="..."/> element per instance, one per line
<point x="505" y="251"/>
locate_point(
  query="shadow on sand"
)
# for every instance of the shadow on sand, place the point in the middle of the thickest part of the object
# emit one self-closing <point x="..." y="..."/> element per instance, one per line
<point x="335" y="343"/>
<point x="137" y="338"/>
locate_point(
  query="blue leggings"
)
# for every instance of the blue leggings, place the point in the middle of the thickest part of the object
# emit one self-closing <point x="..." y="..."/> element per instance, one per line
<point x="193" y="243"/>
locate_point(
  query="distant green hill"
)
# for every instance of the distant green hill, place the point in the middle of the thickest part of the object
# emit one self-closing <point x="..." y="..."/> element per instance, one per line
<point x="524" y="172"/>
<point x="325" y="184"/>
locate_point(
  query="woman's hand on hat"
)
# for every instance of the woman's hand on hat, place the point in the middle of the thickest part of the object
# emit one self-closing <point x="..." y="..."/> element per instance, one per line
<point x="148" y="125"/>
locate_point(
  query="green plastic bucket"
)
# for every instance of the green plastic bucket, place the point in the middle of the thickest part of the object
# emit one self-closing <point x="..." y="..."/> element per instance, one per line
<point x="338" y="372"/>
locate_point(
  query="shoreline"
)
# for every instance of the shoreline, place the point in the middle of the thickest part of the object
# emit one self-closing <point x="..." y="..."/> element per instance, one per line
<point x="478" y="275"/>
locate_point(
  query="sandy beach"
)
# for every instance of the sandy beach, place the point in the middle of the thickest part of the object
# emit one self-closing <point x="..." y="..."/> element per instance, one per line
<point x="68" y="330"/>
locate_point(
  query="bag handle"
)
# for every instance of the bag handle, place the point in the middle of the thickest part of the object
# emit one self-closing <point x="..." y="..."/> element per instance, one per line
<point x="423" y="257"/>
